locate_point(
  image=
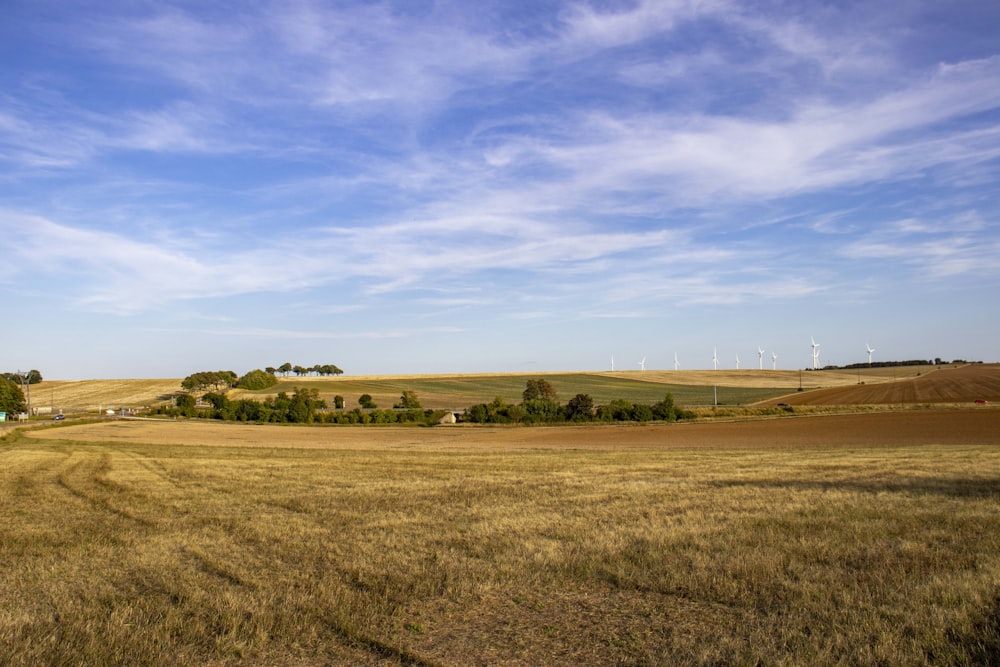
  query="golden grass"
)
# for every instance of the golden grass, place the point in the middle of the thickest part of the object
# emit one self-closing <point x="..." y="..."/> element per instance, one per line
<point x="90" y="395"/>
<point x="431" y="546"/>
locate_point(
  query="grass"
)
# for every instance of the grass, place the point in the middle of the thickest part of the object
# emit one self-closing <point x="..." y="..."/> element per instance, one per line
<point x="464" y="391"/>
<point x="120" y="552"/>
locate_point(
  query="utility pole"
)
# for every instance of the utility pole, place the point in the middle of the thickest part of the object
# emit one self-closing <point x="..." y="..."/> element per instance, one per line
<point x="26" y="386"/>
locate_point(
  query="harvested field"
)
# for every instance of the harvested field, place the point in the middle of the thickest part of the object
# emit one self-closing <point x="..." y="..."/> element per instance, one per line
<point x="864" y="538"/>
<point x="844" y="539"/>
<point x="91" y="395"/>
<point x="964" y="384"/>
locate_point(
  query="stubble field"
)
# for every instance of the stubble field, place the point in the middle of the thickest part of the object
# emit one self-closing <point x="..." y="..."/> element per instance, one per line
<point x="856" y="539"/>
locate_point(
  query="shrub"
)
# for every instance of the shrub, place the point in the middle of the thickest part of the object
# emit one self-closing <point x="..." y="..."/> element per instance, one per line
<point x="257" y="379"/>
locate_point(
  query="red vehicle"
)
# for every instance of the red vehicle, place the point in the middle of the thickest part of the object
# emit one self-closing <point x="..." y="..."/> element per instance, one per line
<point x="981" y="401"/>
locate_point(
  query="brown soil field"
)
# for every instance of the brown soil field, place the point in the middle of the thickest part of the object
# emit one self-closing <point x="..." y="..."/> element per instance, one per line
<point x="964" y="384"/>
<point x="974" y="426"/>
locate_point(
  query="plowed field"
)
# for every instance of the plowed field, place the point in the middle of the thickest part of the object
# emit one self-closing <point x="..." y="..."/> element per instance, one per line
<point x="964" y="384"/>
<point x="932" y="427"/>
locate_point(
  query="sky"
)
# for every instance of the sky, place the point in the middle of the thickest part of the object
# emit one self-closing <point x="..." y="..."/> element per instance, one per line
<point x="417" y="186"/>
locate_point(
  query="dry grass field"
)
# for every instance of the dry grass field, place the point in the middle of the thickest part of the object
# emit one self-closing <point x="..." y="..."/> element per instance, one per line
<point x="846" y="539"/>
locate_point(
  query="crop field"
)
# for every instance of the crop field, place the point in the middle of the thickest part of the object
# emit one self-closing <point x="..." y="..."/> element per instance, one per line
<point x="461" y="391"/>
<point x="852" y="539"/>
<point x="954" y="385"/>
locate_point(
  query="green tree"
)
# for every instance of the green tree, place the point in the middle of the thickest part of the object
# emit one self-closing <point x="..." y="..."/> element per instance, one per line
<point x="11" y="397"/>
<point x="408" y="401"/>
<point x="338" y="402"/>
<point x="285" y="368"/>
<point x="257" y="379"/>
<point x="186" y="404"/>
<point x="580" y="408"/>
<point x="539" y="389"/>
<point x="665" y="409"/>
<point x="365" y="401"/>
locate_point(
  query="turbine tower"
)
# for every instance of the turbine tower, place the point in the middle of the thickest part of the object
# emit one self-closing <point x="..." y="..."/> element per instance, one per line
<point x="737" y="361"/>
<point x="677" y="364"/>
<point x="760" y="356"/>
<point x="774" y="361"/>
<point x="870" y="350"/>
<point x="815" y="352"/>
<point x="642" y="364"/>
<point x="612" y="363"/>
<point x="715" y="359"/>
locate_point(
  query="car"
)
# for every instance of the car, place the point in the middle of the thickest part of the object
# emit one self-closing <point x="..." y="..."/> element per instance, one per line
<point x="981" y="401"/>
<point x="59" y="418"/>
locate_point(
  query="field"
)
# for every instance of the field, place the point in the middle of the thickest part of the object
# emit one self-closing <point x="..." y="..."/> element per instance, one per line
<point x="844" y="539"/>
<point x="953" y="385"/>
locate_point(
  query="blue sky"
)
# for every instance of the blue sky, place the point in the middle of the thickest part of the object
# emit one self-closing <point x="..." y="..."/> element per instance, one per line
<point x="417" y="186"/>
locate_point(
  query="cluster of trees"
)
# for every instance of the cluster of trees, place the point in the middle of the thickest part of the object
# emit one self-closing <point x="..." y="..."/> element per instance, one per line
<point x="30" y="377"/>
<point x="540" y="404"/>
<point x="11" y="397"/>
<point x="304" y="406"/>
<point x="300" y="408"/>
<point x="214" y="379"/>
<point x="257" y="379"/>
<point x="318" y="369"/>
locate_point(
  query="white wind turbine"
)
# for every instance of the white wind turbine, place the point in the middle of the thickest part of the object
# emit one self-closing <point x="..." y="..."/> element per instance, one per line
<point x="760" y="356"/>
<point x="870" y="350"/>
<point x="612" y="363"/>
<point x="815" y="350"/>
<point x="774" y="361"/>
<point x="642" y="364"/>
<point x="715" y="359"/>
<point x="737" y="361"/>
<point x="677" y="364"/>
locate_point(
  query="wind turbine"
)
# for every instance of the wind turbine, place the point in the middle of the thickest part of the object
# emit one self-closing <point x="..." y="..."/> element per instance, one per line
<point x="715" y="359"/>
<point x="737" y="361"/>
<point x="612" y="363"/>
<point x="815" y="350"/>
<point x="870" y="350"/>
<point x="774" y="361"/>
<point x="760" y="356"/>
<point x="677" y="364"/>
<point x="642" y="364"/>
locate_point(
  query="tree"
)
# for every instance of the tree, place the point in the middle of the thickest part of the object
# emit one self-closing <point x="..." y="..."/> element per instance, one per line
<point x="285" y="368"/>
<point x="257" y="379"/>
<point x="408" y="401"/>
<point x="11" y="397"/>
<point x="30" y="377"/>
<point x="338" y="402"/>
<point x="205" y="379"/>
<point x="186" y="405"/>
<point x="580" y="408"/>
<point x="539" y="389"/>
<point x="665" y="409"/>
<point x="365" y="401"/>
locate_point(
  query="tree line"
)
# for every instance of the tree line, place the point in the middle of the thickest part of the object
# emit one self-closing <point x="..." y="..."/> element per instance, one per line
<point x="303" y="406"/>
<point x="29" y="377"/>
<point x="318" y="369"/>
<point x="540" y="404"/>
